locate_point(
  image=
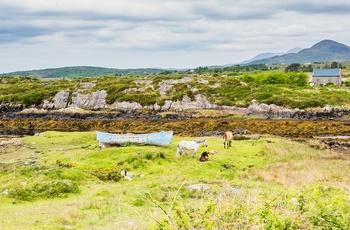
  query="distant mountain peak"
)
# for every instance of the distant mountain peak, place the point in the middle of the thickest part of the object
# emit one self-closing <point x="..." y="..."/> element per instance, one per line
<point x="331" y="46"/>
<point x="261" y="56"/>
<point x="326" y="42"/>
<point x="325" y="50"/>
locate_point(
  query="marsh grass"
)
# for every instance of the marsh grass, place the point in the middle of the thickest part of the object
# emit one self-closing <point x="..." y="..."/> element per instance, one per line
<point x="260" y="183"/>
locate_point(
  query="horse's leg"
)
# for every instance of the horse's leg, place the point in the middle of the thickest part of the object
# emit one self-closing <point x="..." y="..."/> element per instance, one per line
<point x="194" y="152"/>
<point x="229" y="143"/>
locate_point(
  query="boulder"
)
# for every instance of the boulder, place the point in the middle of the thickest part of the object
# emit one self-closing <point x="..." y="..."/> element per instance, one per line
<point x="94" y="100"/>
<point x="143" y="82"/>
<point x="48" y="105"/>
<point x="264" y="107"/>
<point x="164" y="88"/>
<point x="61" y="100"/>
<point x="126" y="106"/>
<point x="202" y="81"/>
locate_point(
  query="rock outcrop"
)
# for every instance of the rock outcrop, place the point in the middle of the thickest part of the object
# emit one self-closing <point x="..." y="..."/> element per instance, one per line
<point x="94" y="100"/>
<point x="97" y="100"/>
<point x="61" y="100"/>
<point x="126" y="106"/>
<point x="200" y="102"/>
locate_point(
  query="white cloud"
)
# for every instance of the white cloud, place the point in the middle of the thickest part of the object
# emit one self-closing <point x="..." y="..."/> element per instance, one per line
<point x="128" y="34"/>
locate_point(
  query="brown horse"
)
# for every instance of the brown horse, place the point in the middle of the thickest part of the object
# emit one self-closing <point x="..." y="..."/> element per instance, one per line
<point x="204" y="157"/>
<point x="227" y="139"/>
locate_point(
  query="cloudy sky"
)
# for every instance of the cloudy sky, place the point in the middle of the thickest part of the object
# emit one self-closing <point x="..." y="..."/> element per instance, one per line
<point x="37" y="34"/>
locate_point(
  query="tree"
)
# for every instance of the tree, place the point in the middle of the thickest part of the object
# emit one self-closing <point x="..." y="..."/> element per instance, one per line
<point x="294" y="67"/>
<point x="307" y="68"/>
<point x="334" y="65"/>
<point x="200" y="69"/>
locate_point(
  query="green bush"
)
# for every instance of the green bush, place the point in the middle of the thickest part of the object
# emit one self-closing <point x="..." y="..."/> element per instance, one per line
<point x="44" y="189"/>
<point x="107" y="174"/>
<point x="298" y="79"/>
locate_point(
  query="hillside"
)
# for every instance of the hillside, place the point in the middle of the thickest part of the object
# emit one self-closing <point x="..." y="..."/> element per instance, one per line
<point x="324" y="51"/>
<point x="269" y="55"/>
<point x="228" y="90"/>
<point x="83" y="71"/>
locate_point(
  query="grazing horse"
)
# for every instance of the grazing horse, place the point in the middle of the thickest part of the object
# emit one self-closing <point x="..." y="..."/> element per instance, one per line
<point x="204" y="157"/>
<point x="190" y="145"/>
<point x="227" y="139"/>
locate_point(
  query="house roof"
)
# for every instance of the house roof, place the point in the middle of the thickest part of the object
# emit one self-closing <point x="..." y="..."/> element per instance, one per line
<point x="326" y="73"/>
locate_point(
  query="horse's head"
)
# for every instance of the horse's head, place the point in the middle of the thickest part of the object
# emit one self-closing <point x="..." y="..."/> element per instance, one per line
<point x="205" y="143"/>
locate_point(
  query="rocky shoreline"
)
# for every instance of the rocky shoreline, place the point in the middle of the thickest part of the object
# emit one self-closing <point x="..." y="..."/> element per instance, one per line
<point x="299" y="130"/>
<point x="261" y="111"/>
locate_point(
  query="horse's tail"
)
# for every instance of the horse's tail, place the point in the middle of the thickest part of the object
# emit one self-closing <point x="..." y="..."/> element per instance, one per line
<point x="177" y="151"/>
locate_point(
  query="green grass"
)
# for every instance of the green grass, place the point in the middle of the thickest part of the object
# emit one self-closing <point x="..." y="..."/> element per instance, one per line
<point x="264" y="183"/>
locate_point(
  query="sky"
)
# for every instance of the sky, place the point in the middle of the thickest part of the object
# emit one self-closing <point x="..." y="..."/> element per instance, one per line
<point x="39" y="34"/>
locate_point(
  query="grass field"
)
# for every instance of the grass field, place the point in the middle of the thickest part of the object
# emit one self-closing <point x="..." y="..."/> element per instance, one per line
<point x="64" y="181"/>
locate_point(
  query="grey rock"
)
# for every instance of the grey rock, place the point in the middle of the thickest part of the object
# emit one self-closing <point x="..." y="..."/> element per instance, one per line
<point x="126" y="106"/>
<point x="198" y="187"/>
<point x="143" y="82"/>
<point x="48" y="105"/>
<point x="202" y="81"/>
<point x="164" y="88"/>
<point x="94" y="100"/>
<point x="61" y="100"/>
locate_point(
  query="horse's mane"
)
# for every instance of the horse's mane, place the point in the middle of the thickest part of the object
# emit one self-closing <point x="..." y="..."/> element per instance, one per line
<point x="200" y="141"/>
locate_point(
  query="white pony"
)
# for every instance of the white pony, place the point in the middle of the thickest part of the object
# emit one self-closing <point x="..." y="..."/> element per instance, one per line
<point x="190" y="145"/>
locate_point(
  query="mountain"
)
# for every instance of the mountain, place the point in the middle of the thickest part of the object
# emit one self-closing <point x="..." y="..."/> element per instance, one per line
<point x="294" y="50"/>
<point x="261" y="56"/>
<point x="269" y="55"/>
<point x="83" y="71"/>
<point x="323" y="51"/>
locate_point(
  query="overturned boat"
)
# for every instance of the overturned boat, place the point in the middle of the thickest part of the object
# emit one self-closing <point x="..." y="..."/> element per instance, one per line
<point x="162" y="138"/>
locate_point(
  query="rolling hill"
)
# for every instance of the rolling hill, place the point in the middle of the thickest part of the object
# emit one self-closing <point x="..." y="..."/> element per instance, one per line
<point x="83" y="71"/>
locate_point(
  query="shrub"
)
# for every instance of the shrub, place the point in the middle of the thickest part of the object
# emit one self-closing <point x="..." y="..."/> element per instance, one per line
<point x="107" y="174"/>
<point x="298" y="79"/>
<point x="47" y="189"/>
